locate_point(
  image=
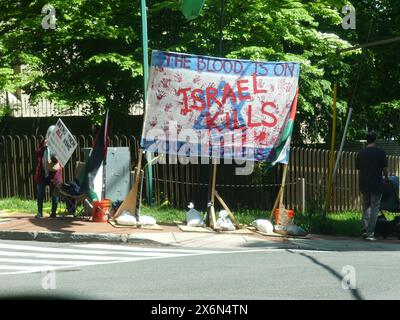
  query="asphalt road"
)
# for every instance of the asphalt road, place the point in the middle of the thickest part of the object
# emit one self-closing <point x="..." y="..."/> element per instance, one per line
<point x="103" y="271"/>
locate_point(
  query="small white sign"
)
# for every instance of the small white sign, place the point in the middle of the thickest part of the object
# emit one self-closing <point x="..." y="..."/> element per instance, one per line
<point x="62" y="143"/>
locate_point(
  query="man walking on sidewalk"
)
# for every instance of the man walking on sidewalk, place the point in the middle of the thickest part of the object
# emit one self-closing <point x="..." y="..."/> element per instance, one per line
<point x="371" y="162"/>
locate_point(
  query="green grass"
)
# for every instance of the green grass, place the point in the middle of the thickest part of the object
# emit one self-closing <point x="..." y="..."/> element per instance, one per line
<point x="167" y="214"/>
<point x="22" y="206"/>
<point x="339" y="224"/>
<point x="163" y="214"/>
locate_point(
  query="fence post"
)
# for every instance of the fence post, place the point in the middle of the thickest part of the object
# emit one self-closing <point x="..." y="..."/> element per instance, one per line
<point x="302" y="183"/>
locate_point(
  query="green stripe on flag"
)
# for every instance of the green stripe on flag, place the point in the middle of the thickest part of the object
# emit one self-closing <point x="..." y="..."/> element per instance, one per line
<point x="191" y="8"/>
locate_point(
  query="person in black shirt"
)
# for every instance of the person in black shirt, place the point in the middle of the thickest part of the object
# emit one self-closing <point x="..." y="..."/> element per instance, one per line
<point x="371" y="162"/>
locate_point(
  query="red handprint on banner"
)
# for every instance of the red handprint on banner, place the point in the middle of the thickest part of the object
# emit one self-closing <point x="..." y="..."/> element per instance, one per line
<point x="168" y="107"/>
<point x="261" y="137"/>
<point x="196" y="79"/>
<point x="165" y="82"/>
<point x="160" y="94"/>
<point x="178" y="77"/>
<point x="153" y="122"/>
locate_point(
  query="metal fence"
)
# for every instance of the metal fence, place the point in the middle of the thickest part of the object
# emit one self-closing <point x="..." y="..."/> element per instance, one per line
<point x="180" y="184"/>
<point x="45" y="108"/>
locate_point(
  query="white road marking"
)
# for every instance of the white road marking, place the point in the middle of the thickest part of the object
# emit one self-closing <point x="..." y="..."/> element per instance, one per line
<point x="16" y="259"/>
<point x="22" y="257"/>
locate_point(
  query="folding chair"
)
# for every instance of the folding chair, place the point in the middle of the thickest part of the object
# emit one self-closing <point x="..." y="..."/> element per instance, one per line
<point x="77" y="205"/>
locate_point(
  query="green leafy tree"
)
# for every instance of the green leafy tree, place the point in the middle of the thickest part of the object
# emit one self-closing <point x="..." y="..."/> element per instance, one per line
<point x="375" y="94"/>
<point x="91" y="58"/>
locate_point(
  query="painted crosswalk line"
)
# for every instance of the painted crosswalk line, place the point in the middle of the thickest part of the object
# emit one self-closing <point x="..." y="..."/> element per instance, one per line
<point x="15" y="258"/>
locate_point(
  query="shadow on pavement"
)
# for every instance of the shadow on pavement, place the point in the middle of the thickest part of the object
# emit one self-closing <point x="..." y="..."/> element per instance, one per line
<point x="354" y="292"/>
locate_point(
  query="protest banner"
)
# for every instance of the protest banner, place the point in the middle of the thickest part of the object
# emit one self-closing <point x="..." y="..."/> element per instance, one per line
<point x="220" y="108"/>
<point x="61" y="142"/>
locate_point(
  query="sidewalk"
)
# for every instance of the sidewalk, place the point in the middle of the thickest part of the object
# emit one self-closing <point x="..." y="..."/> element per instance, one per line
<point x="26" y="227"/>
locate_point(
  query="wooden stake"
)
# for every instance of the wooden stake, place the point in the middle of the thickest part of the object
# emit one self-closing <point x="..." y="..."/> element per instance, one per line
<point x="213" y="183"/>
<point x="227" y="209"/>
<point x="283" y="184"/>
<point x="130" y="201"/>
<point x="332" y="155"/>
<point x="279" y="197"/>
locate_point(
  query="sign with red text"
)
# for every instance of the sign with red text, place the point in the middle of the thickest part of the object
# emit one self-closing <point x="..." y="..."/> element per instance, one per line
<point x="61" y="142"/>
<point x="221" y="108"/>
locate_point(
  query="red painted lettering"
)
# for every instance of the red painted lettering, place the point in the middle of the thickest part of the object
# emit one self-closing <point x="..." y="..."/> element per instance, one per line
<point x="185" y="98"/>
<point x="251" y="124"/>
<point x="211" y="94"/>
<point x="235" y="119"/>
<point x="228" y="93"/>
<point x="242" y="89"/>
<point x="256" y="90"/>
<point x="227" y="120"/>
<point x="269" y="114"/>
<point x="196" y="98"/>
<point x="210" y="121"/>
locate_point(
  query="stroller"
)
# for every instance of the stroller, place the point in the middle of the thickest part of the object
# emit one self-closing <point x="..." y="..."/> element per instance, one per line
<point x="390" y="202"/>
<point x="390" y="197"/>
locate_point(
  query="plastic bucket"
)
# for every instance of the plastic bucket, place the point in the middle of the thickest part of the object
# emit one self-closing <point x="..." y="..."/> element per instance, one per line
<point x="101" y="209"/>
<point x="290" y="214"/>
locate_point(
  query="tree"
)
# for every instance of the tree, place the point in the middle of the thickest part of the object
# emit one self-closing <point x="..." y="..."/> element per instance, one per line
<point x="91" y="58"/>
<point x="375" y="95"/>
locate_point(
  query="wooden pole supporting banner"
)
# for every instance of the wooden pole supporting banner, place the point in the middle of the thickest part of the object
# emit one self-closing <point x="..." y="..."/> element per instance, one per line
<point x="213" y="183"/>
<point x="332" y="154"/>
<point x="279" y="197"/>
<point x="283" y="184"/>
<point x="130" y="201"/>
<point x="227" y="209"/>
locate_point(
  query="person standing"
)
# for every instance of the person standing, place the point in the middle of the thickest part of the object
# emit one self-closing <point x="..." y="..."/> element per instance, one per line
<point x="371" y="163"/>
<point x="48" y="172"/>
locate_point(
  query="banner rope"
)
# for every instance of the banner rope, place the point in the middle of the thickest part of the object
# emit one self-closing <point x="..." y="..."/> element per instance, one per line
<point x="223" y="185"/>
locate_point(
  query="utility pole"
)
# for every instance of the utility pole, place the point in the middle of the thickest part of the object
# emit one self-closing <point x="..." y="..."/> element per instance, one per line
<point x="213" y="165"/>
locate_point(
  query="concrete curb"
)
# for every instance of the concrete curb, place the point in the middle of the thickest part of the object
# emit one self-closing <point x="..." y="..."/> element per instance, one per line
<point x="51" y="236"/>
<point x="18" y="235"/>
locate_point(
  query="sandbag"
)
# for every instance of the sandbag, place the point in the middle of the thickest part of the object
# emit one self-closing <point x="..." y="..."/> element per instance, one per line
<point x="147" y="220"/>
<point x="224" y="223"/>
<point x="294" y="230"/>
<point x="290" y="230"/>
<point x="194" y="218"/>
<point x="263" y="225"/>
<point x="126" y="219"/>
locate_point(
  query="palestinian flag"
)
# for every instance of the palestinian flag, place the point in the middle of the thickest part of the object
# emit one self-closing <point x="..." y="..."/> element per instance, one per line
<point x="280" y="153"/>
<point x="96" y="159"/>
<point x="191" y="8"/>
